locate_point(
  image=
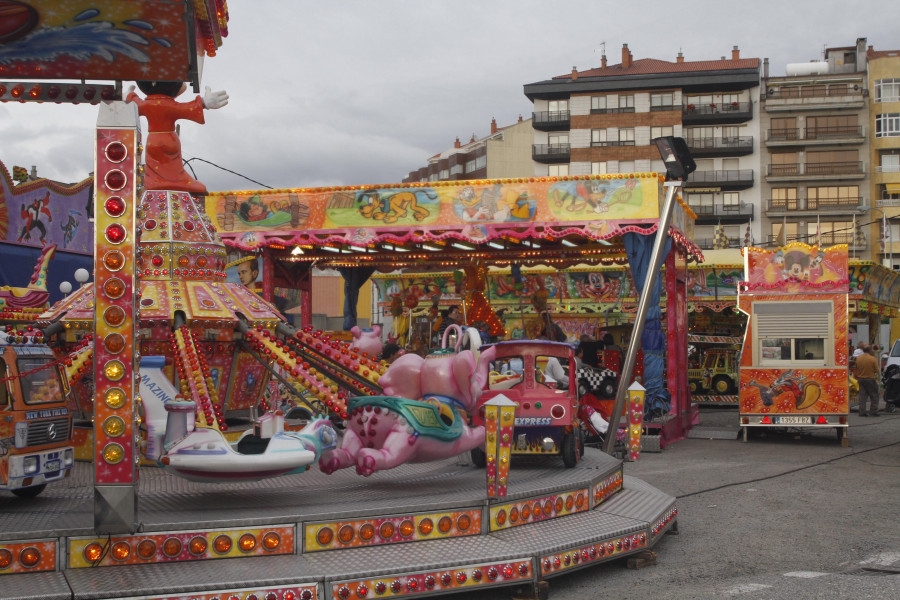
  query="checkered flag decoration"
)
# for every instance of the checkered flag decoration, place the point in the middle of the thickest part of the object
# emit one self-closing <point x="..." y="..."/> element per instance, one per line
<point x="720" y="239"/>
<point x="748" y="236"/>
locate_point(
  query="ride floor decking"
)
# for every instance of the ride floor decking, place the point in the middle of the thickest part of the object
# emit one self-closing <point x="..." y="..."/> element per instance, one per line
<point x="445" y="535"/>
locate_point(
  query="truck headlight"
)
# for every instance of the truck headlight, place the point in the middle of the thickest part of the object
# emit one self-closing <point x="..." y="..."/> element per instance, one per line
<point x="30" y="464"/>
<point x="68" y="457"/>
<point x="21" y="434"/>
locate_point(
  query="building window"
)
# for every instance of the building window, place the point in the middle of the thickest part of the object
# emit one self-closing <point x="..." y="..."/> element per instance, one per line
<point x="558" y="105"/>
<point x="832" y="197"/>
<point x="480" y="162"/>
<point x="731" y="201"/>
<point x="662" y="101"/>
<point x="626" y="103"/>
<point x="782" y="233"/>
<point x="445" y="173"/>
<point x="456" y="169"/>
<point x="702" y="204"/>
<point x="470" y="166"/>
<point x="598" y="137"/>
<point x="599" y="168"/>
<point x="784" y="198"/>
<point x="558" y="170"/>
<point x="626" y="137"/>
<point x="830" y="233"/>
<point x="656" y="132"/>
<point x="890" y="161"/>
<point x="887" y="125"/>
<point x="598" y="104"/>
<point x="887" y="90"/>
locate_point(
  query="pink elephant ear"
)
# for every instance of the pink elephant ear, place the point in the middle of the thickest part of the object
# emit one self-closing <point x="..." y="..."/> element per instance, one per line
<point x="356" y="331"/>
<point x="463" y="368"/>
<point x="376" y="329"/>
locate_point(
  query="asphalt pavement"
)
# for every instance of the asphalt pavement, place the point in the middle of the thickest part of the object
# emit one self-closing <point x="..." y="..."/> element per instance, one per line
<point x="788" y="515"/>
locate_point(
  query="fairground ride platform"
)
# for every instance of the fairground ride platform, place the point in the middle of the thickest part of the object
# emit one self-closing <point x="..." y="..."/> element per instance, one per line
<point x="418" y="530"/>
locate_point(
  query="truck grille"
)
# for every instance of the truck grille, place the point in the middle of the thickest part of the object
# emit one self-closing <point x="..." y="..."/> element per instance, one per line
<point x="39" y="431"/>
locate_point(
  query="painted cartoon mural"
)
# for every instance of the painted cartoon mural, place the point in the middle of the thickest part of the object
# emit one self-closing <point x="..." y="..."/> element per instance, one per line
<point x="44" y="39"/>
<point x="798" y="268"/>
<point x="42" y="212"/>
<point x="598" y="206"/>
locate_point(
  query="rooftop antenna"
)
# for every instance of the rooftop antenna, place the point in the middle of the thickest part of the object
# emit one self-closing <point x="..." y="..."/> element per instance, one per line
<point x="602" y="48"/>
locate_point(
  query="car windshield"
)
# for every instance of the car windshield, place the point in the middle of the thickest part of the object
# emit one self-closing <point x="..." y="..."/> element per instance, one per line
<point x="895" y="351"/>
<point x="40" y="383"/>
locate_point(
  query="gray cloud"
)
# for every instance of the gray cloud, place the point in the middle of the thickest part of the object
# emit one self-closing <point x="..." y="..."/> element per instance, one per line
<point x="356" y="92"/>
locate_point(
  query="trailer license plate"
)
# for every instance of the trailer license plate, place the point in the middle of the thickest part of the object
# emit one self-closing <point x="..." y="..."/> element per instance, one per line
<point x="793" y="420"/>
<point x="52" y="466"/>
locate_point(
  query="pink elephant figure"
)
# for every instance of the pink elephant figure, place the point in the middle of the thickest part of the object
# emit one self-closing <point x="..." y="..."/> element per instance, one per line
<point x="367" y="340"/>
<point x="421" y="417"/>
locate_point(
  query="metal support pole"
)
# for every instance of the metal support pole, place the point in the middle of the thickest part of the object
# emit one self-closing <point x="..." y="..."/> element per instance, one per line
<point x="639" y="320"/>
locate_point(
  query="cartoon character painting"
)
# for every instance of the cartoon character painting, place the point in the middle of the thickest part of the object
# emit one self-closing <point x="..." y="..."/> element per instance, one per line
<point x="254" y="211"/>
<point x="69" y="228"/>
<point x="393" y="206"/>
<point x="496" y="203"/>
<point x="804" y="393"/>
<point x="31" y="215"/>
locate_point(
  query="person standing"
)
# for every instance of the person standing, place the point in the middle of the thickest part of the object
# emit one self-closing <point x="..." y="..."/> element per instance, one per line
<point x="866" y="373"/>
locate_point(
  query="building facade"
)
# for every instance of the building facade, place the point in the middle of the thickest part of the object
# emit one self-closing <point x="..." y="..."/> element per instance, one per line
<point x="884" y="121"/>
<point x="816" y="152"/>
<point x="506" y="152"/>
<point x="602" y="120"/>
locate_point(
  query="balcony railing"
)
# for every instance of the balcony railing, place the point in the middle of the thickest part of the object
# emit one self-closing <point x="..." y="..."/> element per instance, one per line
<point x="722" y="112"/>
<point x="733" y="176"/>
<point x="610" y="143"/>
<point x="794" y="204"/>
<point x="550" y="153"/>
<point x="782" y="204"/>
<point x="826" y="168"/>
<point x="887" y="169"/>
<point x="550" y="120"/>
<point x="741" y="210"/>
<point x="612" y="111"/>
<point x="664" y="107"/>
<point x="833" y="90"/>
<point x="732" y="145"/>
<point x="826" y="238"/>
<point x="793" y="134"/>
<point x="707" y="243"/>
<point x="830" y="133"/>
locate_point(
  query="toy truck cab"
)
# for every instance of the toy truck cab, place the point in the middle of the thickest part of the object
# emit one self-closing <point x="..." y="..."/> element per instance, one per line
<point x="718" y="373"/>
<point x="545" y="416"/>
<point x="36" y="446"/>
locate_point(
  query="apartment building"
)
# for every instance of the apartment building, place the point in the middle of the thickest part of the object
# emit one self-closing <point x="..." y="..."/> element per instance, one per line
<point x="816" y="151"/>
<point x="602" y="120"/>
<point x="884" y="151"/>
<point x="505" y="153"/>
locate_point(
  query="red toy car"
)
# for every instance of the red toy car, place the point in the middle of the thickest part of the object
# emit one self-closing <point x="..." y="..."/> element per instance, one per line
<point x="546" y="417"/>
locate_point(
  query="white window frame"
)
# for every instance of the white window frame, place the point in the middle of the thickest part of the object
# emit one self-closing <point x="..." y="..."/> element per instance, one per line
<point x="887" y="90"/>
<point x="599" y="168"/>
<point x="887" y="125"/>
<point x="598" y="137"/>
<point x="795" y="321"/>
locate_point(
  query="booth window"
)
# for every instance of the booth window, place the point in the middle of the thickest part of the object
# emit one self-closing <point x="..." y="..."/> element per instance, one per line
<point x="799" y="334"/>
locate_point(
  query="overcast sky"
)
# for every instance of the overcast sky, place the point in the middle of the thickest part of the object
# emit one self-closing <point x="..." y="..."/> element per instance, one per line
<point x="350" y="92"/>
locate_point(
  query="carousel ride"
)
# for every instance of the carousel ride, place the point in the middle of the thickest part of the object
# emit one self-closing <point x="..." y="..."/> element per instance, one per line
<point x="161" y="324"/>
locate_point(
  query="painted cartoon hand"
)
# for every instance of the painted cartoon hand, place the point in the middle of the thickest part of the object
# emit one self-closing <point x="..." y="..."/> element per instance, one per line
<point x="129" y="91"/>
<point x="212" y="100"/>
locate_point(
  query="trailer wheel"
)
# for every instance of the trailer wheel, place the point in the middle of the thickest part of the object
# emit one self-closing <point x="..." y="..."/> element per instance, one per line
<point x="479" y="458"/>
<point x="29" y="492"/>
<point x="722" y="384"/>
<point x="570" y="449"/>
<point x="695" y="386"/>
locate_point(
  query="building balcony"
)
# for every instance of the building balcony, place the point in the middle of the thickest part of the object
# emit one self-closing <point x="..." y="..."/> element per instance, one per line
<point x="710" y="214"/>
<point x="611" y="143"/>
<point x="777" y="207"/>
<point x="728" y="112"/>
<point x="819" y="171"/>
<point x="612" y="111"/>
<point x="827" y="238"/>
<point x="727" y="179"/>
<point x="779" y="98"/>
<point x="707" y="243"/>
<point x="720" y="146"/>
<point x="550" y="120"/>
<point x="815" y="136"/>
<point x="551" y="153"/>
